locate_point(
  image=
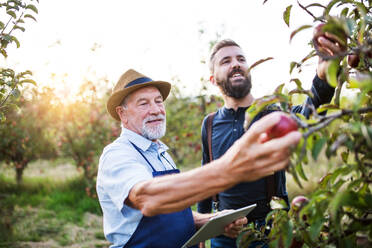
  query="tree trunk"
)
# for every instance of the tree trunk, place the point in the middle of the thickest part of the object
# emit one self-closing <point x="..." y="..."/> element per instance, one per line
<point x="19" y="174"/>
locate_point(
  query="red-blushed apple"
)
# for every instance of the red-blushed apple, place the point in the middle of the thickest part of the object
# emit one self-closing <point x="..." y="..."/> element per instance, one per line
<point x="296" y="243"/>
<point x="298" y="203"/>
<point x="285" y="125"/>
<point x="353" y="60"/>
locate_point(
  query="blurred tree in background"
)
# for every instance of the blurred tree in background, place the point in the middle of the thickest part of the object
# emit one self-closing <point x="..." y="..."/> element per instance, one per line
<point x="26" y="134"/>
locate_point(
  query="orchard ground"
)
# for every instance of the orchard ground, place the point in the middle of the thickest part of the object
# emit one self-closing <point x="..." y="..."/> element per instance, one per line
<point x="51" y="208"/>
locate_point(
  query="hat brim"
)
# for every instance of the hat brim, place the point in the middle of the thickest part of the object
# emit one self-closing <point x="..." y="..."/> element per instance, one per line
<point x="116" y="98"/>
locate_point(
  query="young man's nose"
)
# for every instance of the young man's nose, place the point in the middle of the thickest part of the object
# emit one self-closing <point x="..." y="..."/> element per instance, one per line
<point x="235" y="64"/>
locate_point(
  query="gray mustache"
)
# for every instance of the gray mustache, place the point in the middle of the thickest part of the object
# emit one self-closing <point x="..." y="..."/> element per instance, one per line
<point x="152" y="118"/>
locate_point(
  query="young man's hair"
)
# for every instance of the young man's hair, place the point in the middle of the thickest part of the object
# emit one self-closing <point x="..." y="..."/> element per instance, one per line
<point x="216" y="48"/>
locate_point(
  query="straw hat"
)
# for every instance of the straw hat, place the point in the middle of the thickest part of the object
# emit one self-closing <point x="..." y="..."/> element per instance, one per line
<point x="129" y="82"/>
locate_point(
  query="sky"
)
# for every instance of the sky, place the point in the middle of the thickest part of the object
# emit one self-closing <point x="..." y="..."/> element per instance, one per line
<point x="77" y="40"/>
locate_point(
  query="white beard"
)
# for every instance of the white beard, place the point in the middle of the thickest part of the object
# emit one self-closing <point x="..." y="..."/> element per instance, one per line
<point x="156" y="132"/>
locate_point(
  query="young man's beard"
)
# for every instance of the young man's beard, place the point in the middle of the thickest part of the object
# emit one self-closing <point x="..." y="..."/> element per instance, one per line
<point x="235" y="91"/>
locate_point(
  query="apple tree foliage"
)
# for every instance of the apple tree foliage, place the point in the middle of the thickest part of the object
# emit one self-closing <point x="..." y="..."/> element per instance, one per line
<point x="25" y="134"/>
<point x="84" y="129"/>
<point x="13" y="16"/>
<point x="339" y="211"/>
<point x="184" y="119"/>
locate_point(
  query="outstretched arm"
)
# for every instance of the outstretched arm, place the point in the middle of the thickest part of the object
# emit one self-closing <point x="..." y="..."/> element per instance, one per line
<point x="247" y="160"/>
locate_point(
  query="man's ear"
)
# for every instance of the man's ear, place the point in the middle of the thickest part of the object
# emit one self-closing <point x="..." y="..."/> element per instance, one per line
<point x="212" y="80"/>
<point x="122" y="113"/>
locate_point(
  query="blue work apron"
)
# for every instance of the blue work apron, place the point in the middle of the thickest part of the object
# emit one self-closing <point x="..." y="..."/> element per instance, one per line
<point x="163" y="230"/>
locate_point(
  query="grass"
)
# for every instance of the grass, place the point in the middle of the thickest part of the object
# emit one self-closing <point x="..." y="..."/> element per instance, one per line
<point x="47" y="211"/>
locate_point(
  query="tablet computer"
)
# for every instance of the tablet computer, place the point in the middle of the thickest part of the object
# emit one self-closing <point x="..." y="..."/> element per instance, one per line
<point x="216" y="225"/>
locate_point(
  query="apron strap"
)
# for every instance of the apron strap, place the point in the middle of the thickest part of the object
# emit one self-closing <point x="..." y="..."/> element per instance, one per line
<point x="143" y="156"/>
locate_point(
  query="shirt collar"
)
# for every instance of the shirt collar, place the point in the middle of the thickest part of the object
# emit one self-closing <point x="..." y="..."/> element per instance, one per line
<point x="230" y="111"/>
<point x="141" y="142"/>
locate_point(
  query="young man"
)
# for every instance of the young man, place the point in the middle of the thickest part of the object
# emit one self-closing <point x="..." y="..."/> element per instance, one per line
<point x="145" y="201"/>
<point x="228" y="69"/>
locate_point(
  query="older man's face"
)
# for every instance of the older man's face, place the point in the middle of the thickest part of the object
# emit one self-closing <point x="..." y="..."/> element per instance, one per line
<point x="146" y="113"/>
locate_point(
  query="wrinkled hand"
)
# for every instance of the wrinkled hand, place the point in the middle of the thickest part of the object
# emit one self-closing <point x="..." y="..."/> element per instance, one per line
<point x="233" y="229"/>
<point x="329" y="45"/>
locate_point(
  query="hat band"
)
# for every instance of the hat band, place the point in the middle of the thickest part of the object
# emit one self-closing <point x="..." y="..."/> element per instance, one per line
<point x="138" y="81"/>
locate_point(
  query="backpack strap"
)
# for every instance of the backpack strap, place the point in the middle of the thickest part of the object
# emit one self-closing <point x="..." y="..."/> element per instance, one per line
<point x="209" y="136"/>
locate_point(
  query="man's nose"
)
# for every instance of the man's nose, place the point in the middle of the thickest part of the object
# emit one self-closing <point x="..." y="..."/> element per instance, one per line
<point x="155" y="108"/>
<point x="235" y="64"/>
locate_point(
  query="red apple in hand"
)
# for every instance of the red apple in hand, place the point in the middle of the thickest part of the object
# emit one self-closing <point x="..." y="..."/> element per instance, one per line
<point x="285" y="125"/>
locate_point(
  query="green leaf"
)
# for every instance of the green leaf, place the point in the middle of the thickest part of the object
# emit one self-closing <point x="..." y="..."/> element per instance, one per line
<point x="315" y="5"/>
<point x="292" y="66"/>
<point x="366" y="135"/>
<point x="1" y="25"/>
<point x="332" y="3"/>
<point x="30" y="16"/>
<point x="19" y="27"/>
<point x="361" y="81"/>
<point x="293" y="172"/>
<point x="300" y="171"/>
<point x="327" y="107"/>
<point x="323" y="182"/>
<point x="288" y="226"/>
<point x="3" y="52"/>
<point x="32" y="7"/>
<point x="16" y="41"/>
<point x="278" y="203"/>
<point x="331" y="73"/>
<point x="279" y="89"/>
<point x="318" y="147"/>
<point x="298" y="83"/>
<point x="2" y="117"/>
<point x="344" y="156"/>
<point x="315" y="228"/>
<point x="28" y="81"/>
<point x="298" y="30"/>
<point x="12" y="14"/>
<point x="259" y="62"/>
<point x="287" y="14"/>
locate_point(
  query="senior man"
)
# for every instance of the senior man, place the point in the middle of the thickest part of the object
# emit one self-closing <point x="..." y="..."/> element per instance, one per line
<point x="145" y="200"/>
